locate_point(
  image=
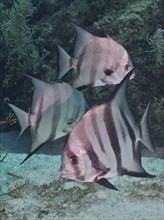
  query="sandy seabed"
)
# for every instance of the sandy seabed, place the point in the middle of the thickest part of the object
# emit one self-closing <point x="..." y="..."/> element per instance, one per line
<point x="42" y="194"/>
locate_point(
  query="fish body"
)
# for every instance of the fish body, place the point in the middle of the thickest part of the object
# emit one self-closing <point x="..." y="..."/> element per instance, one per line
<point x="104" y="143"/>
<point x="97" y="61"/>
<point x="55" y="110"/>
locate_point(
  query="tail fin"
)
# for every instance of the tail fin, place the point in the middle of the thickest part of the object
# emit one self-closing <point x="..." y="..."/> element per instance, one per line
<point x="22" y="117"/>
<point x="144" y="131"/>
<point x="63" y="62"/>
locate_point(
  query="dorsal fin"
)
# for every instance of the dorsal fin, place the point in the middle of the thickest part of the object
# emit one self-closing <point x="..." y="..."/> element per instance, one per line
<point x="144" y="129"/>
<point x="82" y="39"/>
<point x="120" y="90"/>
<point x="40" y="88"/>
<point x="45" y="92"/>
<point x="119" y="93"/>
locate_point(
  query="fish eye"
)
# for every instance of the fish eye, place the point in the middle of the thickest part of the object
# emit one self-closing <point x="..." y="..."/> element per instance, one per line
<point x="73" y="159"/>
<point x="127" y="67"/>
<point x="108" y="72"/>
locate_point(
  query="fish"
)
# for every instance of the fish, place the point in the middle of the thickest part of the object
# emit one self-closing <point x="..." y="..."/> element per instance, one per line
<point x="105" y="142"/>
<point x="55" y="110"/>
<point x="97" y="61"/>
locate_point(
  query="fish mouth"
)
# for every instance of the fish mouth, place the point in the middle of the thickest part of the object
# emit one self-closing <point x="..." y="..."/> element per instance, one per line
<point x="117" y="77"/>
<point x="65" y="172"/>
<point x="107" y="82"/>
<point x="133" y="75"/>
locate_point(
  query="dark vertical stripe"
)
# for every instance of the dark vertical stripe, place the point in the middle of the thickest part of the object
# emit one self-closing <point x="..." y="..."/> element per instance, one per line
<point x="89" y="147"/>
<point x="82" y="135"/>
<point x="29" y="117"/>
<point x="97" y="131"/>
<point x="123" y="133"/>
<point x="80" y="61"/>
<point x="113" y="136"/>
<point x="136" y="151"/>
<point x="130" y="130"/>
<point x="55" y="120"/>
<point x="96" y="59"/>
<point x="39" y="115"/>
<point x="94" y="158"/>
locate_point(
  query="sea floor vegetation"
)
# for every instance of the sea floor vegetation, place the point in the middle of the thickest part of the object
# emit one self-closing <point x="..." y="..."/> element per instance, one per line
<point x="34" y="190"/>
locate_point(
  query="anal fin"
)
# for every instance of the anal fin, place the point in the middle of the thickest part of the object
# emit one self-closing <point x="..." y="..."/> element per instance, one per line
<point x="139" y="174"/>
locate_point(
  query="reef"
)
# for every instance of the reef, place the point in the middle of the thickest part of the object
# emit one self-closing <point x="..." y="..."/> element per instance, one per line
<point x="30" y="30"/>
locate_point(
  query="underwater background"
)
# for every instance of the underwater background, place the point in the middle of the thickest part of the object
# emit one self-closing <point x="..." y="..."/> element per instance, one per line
<point x="29" y="33"/>
<point x="28" y="46"/>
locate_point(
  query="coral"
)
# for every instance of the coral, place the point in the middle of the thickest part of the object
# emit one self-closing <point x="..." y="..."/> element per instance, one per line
<point x="10" y="120"/>
<point x="156" y="42"/>
<point x="16" y="190"/>
<point x="22" y="55"/>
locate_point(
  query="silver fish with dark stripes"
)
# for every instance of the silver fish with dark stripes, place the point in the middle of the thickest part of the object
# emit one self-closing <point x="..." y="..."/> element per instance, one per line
<point x="105" y="142"/>
<point x="97" y="61"/>
<point x="55" y="110"/>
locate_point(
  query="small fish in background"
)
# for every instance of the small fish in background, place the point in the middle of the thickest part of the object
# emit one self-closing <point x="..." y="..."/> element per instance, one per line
<point x="97" y="61"/>
<point x="55" y="110"/>
<point x="104" y="143"/>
